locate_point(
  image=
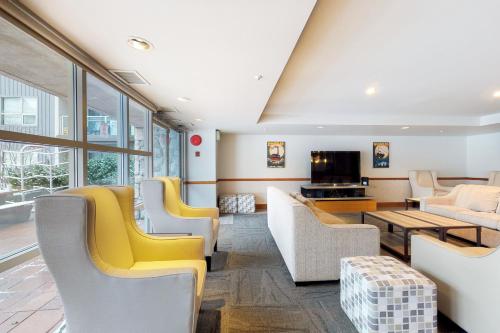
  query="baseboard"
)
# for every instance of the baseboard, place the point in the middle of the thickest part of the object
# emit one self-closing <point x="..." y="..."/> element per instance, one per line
<point x="261" y="206"/>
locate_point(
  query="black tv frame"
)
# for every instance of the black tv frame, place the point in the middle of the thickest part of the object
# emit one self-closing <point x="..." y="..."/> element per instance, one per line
<point x="353" y="178"/>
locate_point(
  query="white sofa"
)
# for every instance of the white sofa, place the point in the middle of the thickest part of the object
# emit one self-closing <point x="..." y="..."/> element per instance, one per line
<point x="494" y="179"/>
<point x="477" y="204"/>
<point x="467" y="280"/>
<point x="312" y="249"/>
<point x="424" y="183"/>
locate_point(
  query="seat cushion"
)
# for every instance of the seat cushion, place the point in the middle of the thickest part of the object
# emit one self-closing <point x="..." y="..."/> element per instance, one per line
<point x="488" y="220"/>
<point x="445" y="210"/>
<point x="479" y="198"/>
<point x="199" y="265"/>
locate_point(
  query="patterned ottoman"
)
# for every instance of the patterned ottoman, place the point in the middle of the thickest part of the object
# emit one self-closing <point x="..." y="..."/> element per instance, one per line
<point x="246" y="203"/>
<point x="381" y="294"/>
<point x="228" y="204"/>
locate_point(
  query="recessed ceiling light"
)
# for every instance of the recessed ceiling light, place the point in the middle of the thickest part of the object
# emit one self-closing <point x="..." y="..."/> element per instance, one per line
<point x="370" y="91"/>
<point x="320" y="127"/>
<point x="405" y="127"/>
<point x="258" y="77"/>
<point x="496" y="94"/>
<point x="139" y="43"/>
<point x="184" y="99"/>
<point x="199" y="119"/>
<point x="441" y="131"/>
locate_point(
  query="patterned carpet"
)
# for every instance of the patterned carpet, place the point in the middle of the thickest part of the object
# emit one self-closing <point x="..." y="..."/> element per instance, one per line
<point x="250" y="289"/>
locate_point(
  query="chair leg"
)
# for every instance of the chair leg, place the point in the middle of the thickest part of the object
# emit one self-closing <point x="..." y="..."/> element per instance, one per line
<point x="209" y="263"/>
<point x="215" y="246"/>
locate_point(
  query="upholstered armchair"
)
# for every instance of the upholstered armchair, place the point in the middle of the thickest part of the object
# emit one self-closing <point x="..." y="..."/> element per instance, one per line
<point x="467" y="280"/>
<point x="494" y="179"/>
<point x="111" y="276"/>
<point x="424" y="183"/>
<point x="168" y="214"/>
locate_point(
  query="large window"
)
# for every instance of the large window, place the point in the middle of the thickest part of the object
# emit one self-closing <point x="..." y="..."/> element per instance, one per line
<point x="38" y="96"/>
<point x="160" y="157"/>
<point x="174" y="153"/>
<point x="103" y="113"/>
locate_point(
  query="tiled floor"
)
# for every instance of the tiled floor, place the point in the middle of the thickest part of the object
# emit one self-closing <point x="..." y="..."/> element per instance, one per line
<point x="28" y="299"/>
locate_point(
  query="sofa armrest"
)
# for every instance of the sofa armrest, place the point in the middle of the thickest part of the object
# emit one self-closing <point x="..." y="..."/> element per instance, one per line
<point x="443" y="200"/>
<point x="419" y="241"/>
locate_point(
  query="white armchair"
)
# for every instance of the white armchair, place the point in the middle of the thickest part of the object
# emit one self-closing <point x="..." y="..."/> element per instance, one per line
<point x="424" y="183"/>
<point x="494" y="179"/>
<point x="467" y="280"/>
<point x="168" y="214"/>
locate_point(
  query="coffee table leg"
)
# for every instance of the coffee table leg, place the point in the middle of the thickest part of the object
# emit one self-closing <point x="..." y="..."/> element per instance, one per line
<point x="444" y="233"/>
<point x="390" y="228"/>
<point x="362" y="217"/>
<point x="478" y="236"/>
<point x="406" y="204"/>
<point x="405" y="243"/>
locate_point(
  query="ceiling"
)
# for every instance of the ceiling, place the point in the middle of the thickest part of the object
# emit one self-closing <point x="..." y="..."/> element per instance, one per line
<point x="433" y="64"/>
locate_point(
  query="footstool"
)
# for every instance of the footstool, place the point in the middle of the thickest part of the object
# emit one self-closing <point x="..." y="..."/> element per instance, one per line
<point x="381" y="294"/>
<point x="246" y="203"/>
<point x="228" y="204"/>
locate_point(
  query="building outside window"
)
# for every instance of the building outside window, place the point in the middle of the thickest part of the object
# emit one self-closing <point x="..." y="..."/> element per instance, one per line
<point x="19" y="111"/>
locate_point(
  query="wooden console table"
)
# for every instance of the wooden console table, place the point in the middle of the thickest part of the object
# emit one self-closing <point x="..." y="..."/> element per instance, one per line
<point x="346" y="205"/>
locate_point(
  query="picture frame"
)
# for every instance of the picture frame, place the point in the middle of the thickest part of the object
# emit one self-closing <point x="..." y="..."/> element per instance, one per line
<point x="276" y="154"/>
<point x="381" y="154"/>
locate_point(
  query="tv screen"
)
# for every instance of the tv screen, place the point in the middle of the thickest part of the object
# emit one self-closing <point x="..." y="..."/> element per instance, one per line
<point x="335" y="167"/>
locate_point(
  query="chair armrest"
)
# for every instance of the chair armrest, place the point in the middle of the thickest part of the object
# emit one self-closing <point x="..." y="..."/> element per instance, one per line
<point x="188" y="211"/>
<point x="154" y="248"/>
<point x="440" y="187"/>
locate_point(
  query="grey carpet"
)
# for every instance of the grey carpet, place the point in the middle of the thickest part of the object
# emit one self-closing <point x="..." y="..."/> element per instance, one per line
<point x="250" y="289"/>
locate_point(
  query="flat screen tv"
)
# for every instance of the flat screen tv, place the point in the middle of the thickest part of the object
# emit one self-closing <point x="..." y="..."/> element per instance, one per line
<point x="335" y="167"/>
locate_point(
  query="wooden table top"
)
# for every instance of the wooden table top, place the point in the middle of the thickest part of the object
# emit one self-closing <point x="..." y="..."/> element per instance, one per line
<point x="401" y="220"/>
<point x="436" y="219"/>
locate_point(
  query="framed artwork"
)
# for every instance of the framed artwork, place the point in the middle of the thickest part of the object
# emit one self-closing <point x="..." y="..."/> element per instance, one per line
<point x="275" y="154"/>
<point x="381" y="154"/>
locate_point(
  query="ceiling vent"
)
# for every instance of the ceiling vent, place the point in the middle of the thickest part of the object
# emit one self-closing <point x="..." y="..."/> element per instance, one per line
<point x="129" y="77"/>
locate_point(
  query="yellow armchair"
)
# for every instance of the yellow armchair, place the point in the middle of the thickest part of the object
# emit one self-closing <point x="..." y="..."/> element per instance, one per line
<point x="168" y="214"/>
<point x="111" y="276"/>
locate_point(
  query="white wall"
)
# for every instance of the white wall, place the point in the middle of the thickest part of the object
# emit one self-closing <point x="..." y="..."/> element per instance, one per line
<point x="244" y="156"/>
<point x="483" y="154"/>
<point x="202" y="169"/>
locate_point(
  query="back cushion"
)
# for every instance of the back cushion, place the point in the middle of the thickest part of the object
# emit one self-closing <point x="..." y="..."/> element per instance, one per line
<point x="111" y="236"/>
<point x="170" y="199"/>
<point x="424" y="178"/>
<point x="479" y="198"/>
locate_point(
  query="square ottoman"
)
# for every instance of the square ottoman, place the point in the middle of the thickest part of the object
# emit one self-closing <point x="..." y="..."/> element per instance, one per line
<point x="228" y="204"/>
<point x="381" y="294"/>
<point x="246" y="203"/>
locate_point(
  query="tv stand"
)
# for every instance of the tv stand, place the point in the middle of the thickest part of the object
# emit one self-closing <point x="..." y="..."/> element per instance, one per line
<point x="340" y="197"/>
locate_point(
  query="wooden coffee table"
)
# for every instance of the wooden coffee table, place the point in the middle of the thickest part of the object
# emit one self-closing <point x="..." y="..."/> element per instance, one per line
<point x="410" y="221"/>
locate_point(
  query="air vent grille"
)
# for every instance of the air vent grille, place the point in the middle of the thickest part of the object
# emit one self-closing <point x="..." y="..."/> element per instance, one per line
<point x="129" y="77"/>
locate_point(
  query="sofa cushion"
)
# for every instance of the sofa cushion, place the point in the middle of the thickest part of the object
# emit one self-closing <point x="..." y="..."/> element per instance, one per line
<point x="488" y="220"/>
<point x="325" y="217"/>
<point x="445" y="210"/>
<point x="479" y="198"/>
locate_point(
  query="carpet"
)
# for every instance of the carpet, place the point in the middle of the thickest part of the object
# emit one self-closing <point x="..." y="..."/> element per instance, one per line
<point x="250" y="289"/>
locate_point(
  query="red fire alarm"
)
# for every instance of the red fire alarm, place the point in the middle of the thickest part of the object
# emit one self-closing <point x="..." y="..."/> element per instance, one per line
<point x="195" y="140"/>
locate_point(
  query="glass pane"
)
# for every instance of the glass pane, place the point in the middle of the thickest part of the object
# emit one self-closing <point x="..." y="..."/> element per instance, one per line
<point x="103" y="113"/>
<point x="11" y="105"/>
<point x="41" y="82"/>
<point x="28" y="171"/>
<point x="159" y="151"/>
<point x="29" y="119"/>
<point x="174" y="153"/>
<point x="137" y="172"/>
<point x="140" y="218"/>
<point x="103" y="168"/>
<point x="12" y="119"/>
<point x="137" y="126"/>
<point x="30" y="105"/>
